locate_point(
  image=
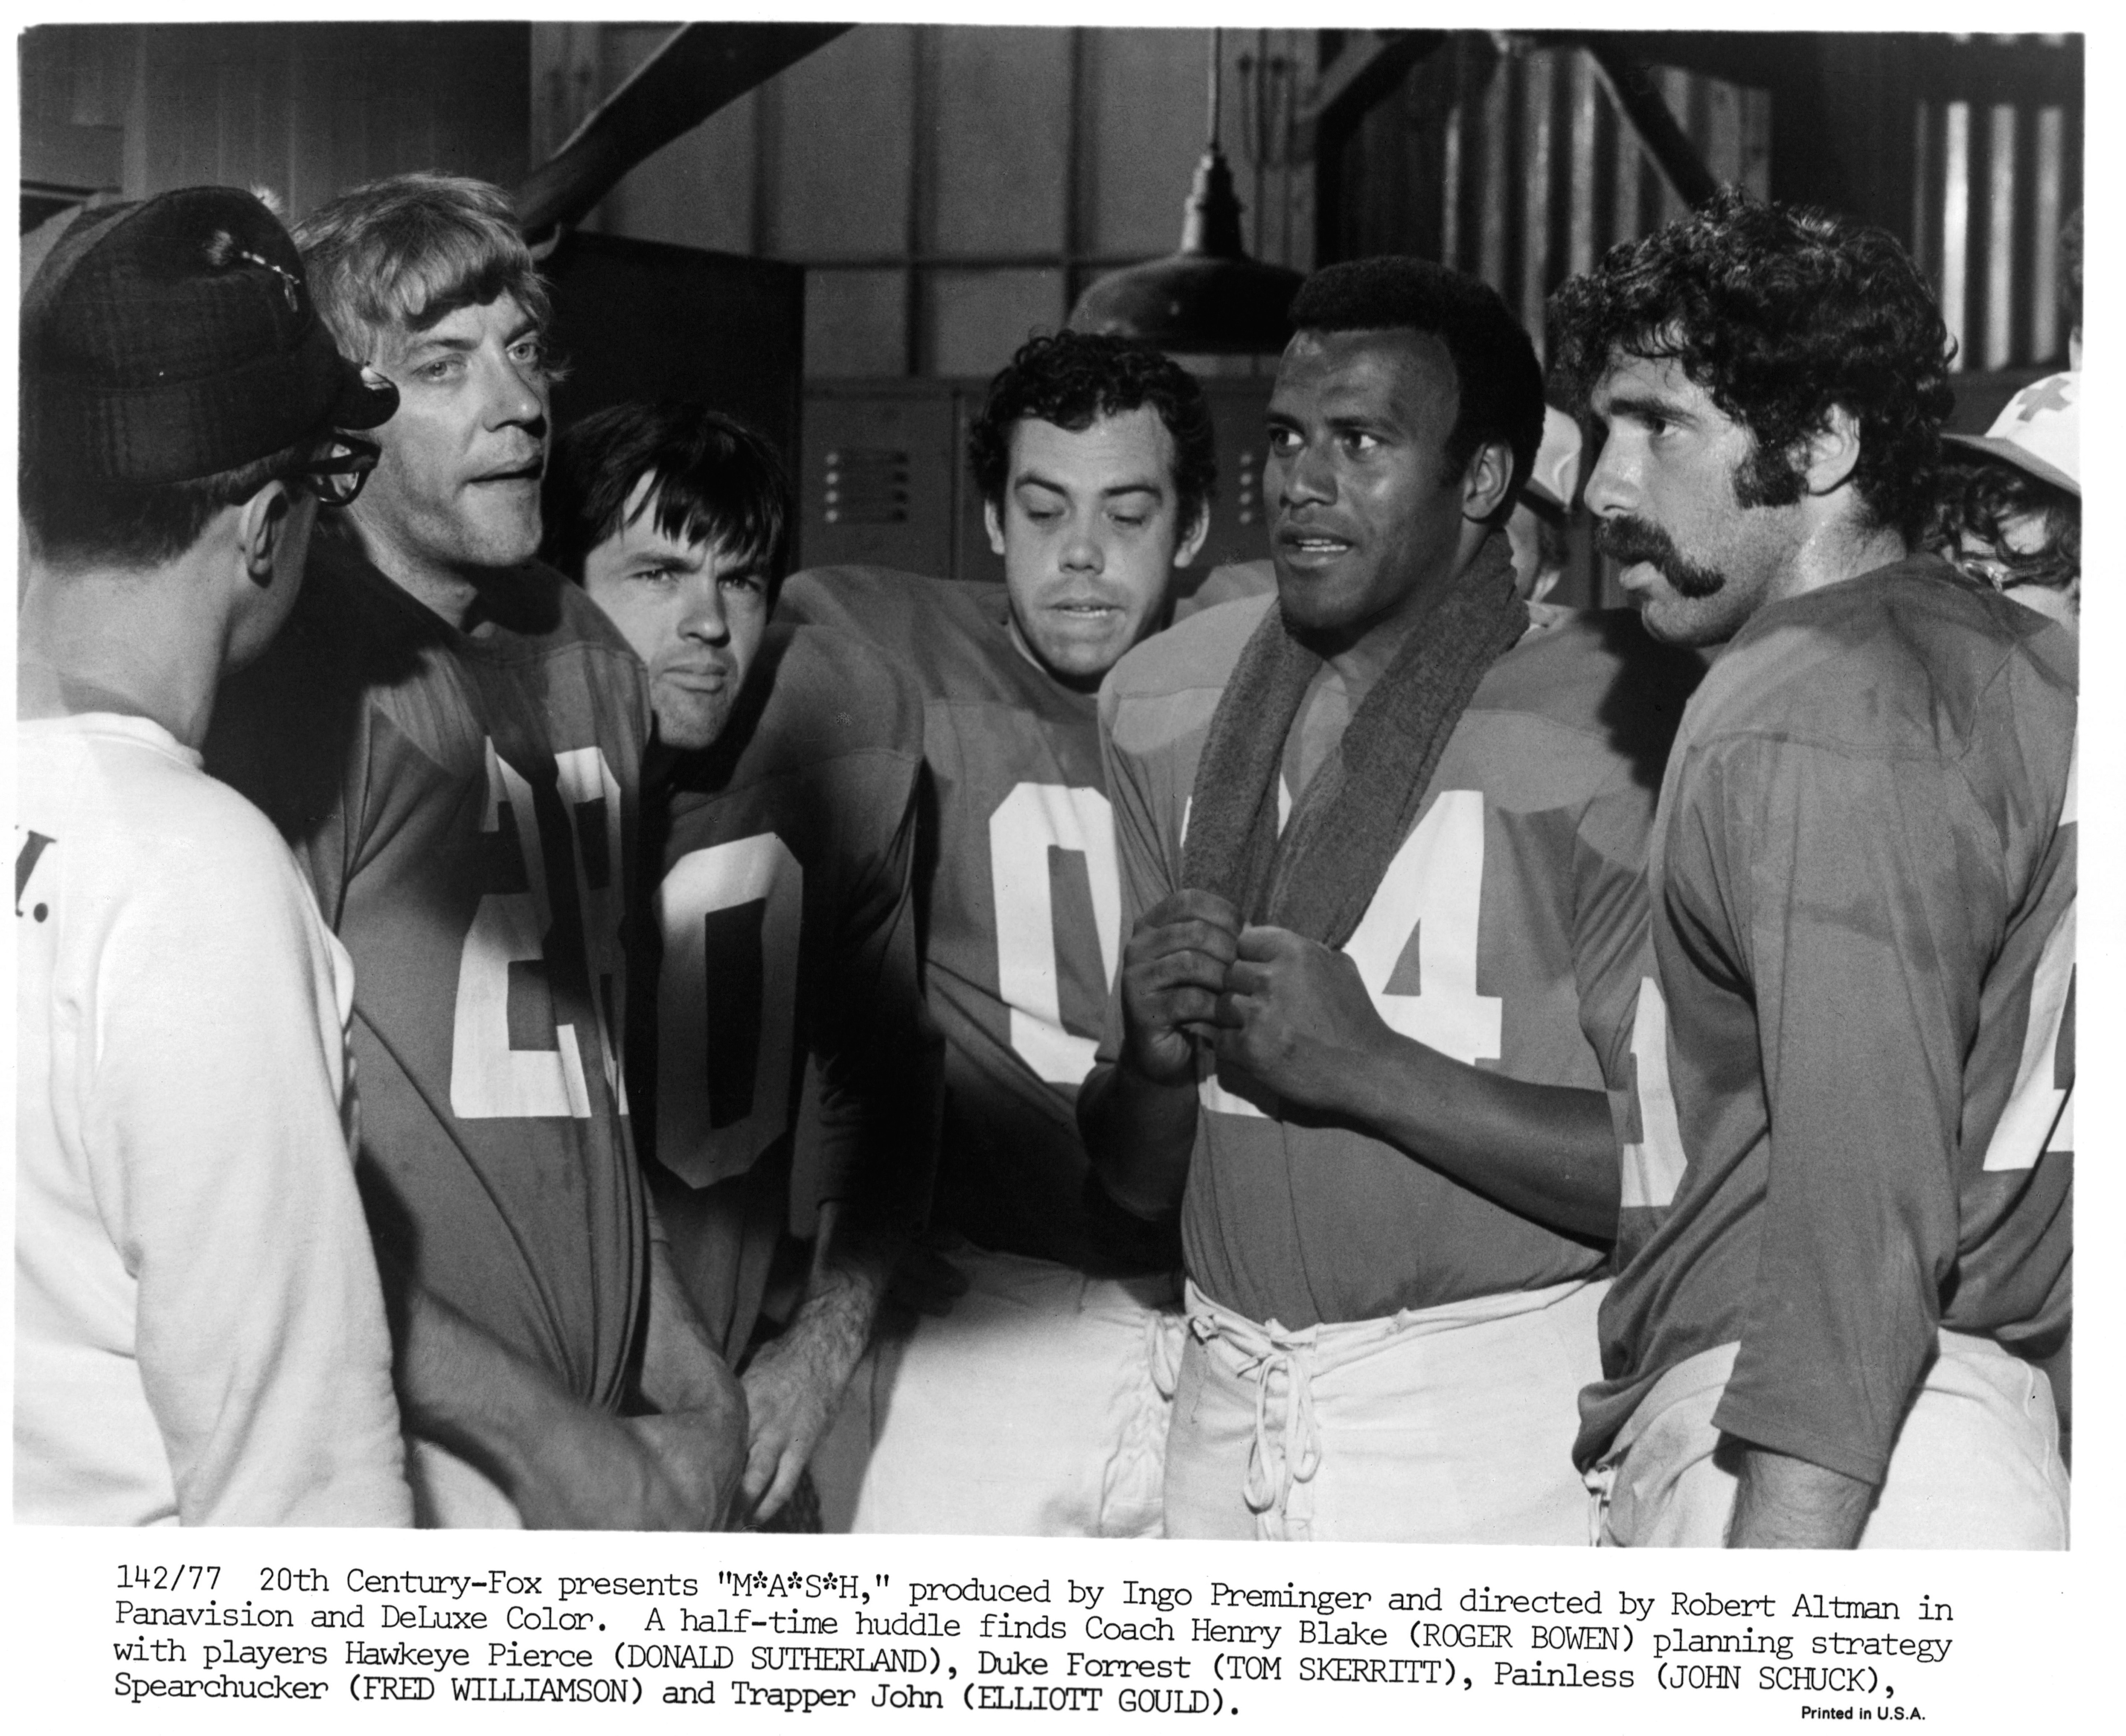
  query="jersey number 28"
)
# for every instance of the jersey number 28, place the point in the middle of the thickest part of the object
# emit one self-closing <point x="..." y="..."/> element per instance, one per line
<point x="492" y="1075"/>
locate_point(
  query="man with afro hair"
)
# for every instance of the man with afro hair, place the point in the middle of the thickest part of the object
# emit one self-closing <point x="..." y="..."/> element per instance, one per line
<point x="1381" y="841"/>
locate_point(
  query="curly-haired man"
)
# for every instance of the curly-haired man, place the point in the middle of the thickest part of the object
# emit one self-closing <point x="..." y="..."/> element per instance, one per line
<point x="1030" y="1406"/>
<point x="1863" y="884"/>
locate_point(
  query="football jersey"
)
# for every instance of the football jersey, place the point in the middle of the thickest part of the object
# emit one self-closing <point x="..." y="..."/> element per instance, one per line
<point x="1508" y="932"/>
<point x="783" y="859"/>
<point x="1019" y="905"/>
<point x="1227" y="583"/>
<point x="464" y="805"/>
<point x="1862" y="886"/>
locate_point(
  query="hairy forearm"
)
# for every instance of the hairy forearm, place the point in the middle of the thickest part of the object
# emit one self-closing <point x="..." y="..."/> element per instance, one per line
<point x="1139" y="1133"/>
<point x="1781" y="1502"/>
<point x="1549" y="1152"/>
<point x="852" y="1262"/>
<point x="794" y="1384"/>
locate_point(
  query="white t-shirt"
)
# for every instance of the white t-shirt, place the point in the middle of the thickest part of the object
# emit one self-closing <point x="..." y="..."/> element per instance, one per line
<point x="199" y="1334"/>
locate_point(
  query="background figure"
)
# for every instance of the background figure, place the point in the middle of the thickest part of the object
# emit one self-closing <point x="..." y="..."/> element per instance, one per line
<point x="2008" y="512"/>
<point x="451" y="734"/>
<point x="1863" y="888"/>
<point x="1381" y="840"/>
<point x="1037" y="1405"/>
<point x="1538" y="528"/>
<point x="780" y="1070"/>
<point x="199" y="1338"/>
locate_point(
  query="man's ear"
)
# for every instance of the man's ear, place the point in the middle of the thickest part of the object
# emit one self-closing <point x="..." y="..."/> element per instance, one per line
<point x="1486" y="482"/>
<point x="996" y="524"/>
<point x="1829" y="455"/>
<point x="262" y="522"/>
<point x="1192" y="541"/>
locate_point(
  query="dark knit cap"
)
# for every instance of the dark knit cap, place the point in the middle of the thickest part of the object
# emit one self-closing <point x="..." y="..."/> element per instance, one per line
<point x="174" y="338"/>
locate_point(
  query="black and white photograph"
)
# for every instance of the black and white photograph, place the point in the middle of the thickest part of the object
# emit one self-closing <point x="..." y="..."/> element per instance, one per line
<point x="986" y="784"/>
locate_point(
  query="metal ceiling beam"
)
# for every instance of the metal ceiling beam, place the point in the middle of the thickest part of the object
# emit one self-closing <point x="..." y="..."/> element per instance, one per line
<point x="699" y="69"/>
<point x="1639" y="100"/>
<point x="1371" y="65"/>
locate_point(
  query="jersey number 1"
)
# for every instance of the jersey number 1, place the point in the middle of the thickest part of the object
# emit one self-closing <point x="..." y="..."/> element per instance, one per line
<point x="2038" y="1117"/>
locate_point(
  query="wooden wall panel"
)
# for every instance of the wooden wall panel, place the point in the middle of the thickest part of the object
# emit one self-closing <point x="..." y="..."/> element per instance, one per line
<point x="702" y="189"/>
<point x="995" y="171"/>
<point x="845" y="148"/>
<point x="75" y="86"/>
<point x="1144" y="104"/>
<point x="856" y="323"/>
<point x="1002" y="167"/>
<point x="311" y="110"/>
<point x="975" y="319"/>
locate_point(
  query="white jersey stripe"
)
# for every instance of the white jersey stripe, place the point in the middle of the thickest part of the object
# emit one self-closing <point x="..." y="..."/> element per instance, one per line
<point x="1653" y="1168"/>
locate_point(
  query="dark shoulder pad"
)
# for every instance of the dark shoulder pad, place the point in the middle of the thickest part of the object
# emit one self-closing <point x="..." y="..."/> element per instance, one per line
<point x="880" y="603"/>
<point x="284" y="728"/>
<point x="832" y="688"/>
<point x="814" y="695"/>
<point x="1599" y="670"/>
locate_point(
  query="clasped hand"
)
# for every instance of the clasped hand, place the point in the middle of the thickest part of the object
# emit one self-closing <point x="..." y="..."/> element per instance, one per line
<point x="1280" y="1007"/>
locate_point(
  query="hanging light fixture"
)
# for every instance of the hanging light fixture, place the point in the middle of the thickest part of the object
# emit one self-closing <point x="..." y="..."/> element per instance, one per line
<point x="1210" y="298"/>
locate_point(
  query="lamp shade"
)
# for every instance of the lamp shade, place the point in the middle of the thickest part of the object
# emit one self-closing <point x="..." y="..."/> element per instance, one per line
<point x="1210" y="298"/>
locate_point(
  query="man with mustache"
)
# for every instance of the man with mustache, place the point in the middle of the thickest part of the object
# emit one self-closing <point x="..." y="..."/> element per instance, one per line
<point x="779" y="845"/>
<point x="449" y="733"/>
<point x="1381" y="839"/>
<point x="1863" y="888"/>
<point x="1033" y="1406"/>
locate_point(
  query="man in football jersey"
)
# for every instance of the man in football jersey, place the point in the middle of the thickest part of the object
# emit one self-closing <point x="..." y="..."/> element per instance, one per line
<point x="1381" y="841"/>
<point x="780" y="832"/>
<point x="1862" y="881"/>
<point x="199" y="1338"/>
<point x="1035" y="1405"/>
<point x="1537" y="529"/>
<point x="449" y="733"/>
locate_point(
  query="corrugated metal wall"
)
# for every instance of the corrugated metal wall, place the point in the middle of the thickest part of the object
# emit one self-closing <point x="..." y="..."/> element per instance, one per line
<point x="1518" y="168"/>
<point x="1509" y="159"/>
<point x="1993" y="183"/>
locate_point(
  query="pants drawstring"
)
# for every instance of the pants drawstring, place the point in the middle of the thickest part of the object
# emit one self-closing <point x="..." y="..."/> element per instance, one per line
<point x="1287" y="1441"/>
<point x="1162" y="1333"/>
